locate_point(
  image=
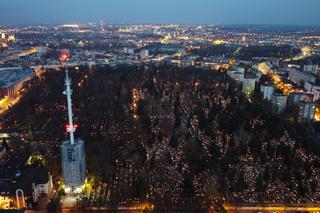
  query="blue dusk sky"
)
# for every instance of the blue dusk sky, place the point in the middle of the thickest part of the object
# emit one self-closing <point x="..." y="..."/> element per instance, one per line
<point x="287" y="12"/>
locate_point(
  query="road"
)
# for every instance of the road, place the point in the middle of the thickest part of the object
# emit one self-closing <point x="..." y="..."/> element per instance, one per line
<point x="7" y="102"/>
<point x="15" y="56"/>
<point x="286" y="88"/>
<point x="275" y="208"/>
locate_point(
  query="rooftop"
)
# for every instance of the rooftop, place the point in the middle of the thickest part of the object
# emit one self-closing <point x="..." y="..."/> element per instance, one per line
<point x="24" y="180"/>
<point x="12" y="75"/>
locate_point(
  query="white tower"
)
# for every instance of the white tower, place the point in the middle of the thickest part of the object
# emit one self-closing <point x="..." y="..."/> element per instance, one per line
<point x="68" y="92"/>
<point x="72" y="151"/>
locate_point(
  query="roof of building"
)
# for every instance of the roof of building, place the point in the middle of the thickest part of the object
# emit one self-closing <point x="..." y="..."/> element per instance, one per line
<point x="24" y="180"/>
<point x="313" y="83"/>
<point x="279" y="94"/>
<point x="12" y="75"/>
<point x="268" y="84"/>
<point x="250" y="76"/>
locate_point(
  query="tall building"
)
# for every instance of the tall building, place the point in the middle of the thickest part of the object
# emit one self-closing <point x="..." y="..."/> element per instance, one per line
<point x="311" y="68"/>
<point x="312" y="88"/>
<point x="73" y="163"/>
<point x="300" y="78"/>
<point x="236" y="74"/>
<point x="72" y="151"/>
<point x="249" y="84"/>
<point x="307" y="111"/>
<point x="279" y="103"/>
<point x="295" y="98"/>
<point x="267" y="91"/>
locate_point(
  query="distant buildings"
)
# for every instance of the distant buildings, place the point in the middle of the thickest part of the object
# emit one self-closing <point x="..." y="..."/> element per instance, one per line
<point x="279" y="103"/>
<point x="5" y="40"/>
<point x="12" y="80"/>
<point x="173" y="49"/>
<point x="128" y="50"/>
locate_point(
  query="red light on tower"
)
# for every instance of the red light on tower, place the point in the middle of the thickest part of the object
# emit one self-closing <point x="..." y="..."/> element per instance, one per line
<point x="69" y="129"/>
<point x="64" y="55"/>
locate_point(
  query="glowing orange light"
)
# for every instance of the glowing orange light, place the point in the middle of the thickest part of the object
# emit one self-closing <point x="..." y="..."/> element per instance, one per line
<point x="64" y="55"/>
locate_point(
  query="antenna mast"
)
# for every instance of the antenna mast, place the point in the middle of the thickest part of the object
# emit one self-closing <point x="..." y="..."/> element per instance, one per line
<point x="71" y="128"/>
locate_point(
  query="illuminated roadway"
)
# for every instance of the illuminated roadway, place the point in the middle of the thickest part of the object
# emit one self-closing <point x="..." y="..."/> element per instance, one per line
<point x="275" y="208"/>
<point x="276" y="79"/>
<point x="15" y="56"/>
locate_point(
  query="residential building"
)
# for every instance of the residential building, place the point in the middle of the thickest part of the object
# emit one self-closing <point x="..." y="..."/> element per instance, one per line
<point x="249" y="83"/>
<point x="279" y="103"/>
<point x="307" y="111"/>
<point x="267" y="91"/>
<point x="300" y="78"/>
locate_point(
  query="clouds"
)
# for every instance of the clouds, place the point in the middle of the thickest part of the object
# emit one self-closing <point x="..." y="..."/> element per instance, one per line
<point x="162" y="11"/>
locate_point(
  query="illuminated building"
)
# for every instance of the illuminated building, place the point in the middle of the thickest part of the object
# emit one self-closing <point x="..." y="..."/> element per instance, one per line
<point x="316" y="94"/>
<point x="73" y="163"/>
<point x="311" y="68"/>
<point x="144" y="54"/>
<point x="72" y="151"/>
<point x="11" y="38"/>
<point x="127" y="50"/>
<point x="24" y="187"/>
<point x="72" y="26"/>
<point x="307" y="111"/>
<point x="267" y="91"/>
<point x="313" y="88"/>
<point x="236" y="74"/>
<point x="12" y="80"/>
<point x="249" y="84"/>
<point x="219" y="42"/>
<point x="21" y="184"/>
<point x="279" y="103"/>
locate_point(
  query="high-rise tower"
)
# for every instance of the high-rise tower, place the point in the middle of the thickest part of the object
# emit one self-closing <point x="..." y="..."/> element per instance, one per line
<point x="72" y="150"/>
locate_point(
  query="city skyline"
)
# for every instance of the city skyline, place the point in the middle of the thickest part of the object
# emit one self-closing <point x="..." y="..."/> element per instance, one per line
<point x="293" y="12"/>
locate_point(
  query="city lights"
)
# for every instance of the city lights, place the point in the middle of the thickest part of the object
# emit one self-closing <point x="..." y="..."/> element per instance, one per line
<point x="159" y="117"/>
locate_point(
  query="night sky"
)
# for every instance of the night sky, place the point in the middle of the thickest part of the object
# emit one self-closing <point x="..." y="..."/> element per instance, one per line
<point x="293" y="12"/>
